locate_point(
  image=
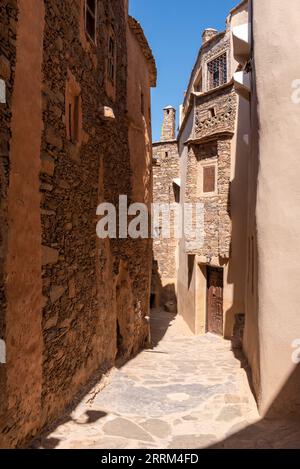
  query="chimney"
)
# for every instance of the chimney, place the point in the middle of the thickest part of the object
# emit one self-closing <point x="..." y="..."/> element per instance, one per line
<point x="168" y="128"/>
<point x="208" y="34"/>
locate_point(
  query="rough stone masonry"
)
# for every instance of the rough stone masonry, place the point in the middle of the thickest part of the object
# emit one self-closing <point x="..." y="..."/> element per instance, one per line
<point x="70" y="303"/>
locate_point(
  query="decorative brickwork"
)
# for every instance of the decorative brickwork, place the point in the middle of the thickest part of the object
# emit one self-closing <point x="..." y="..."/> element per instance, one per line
<point x="223" y="103"/>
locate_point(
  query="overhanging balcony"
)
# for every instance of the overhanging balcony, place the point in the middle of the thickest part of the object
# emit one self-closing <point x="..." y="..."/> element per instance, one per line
<point x="241" y="42"/>
<point x="242" y="84"/>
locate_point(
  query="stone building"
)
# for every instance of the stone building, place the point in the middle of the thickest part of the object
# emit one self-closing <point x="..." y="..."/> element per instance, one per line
<point x="166" y="190"/>
<point x="75" y="131"/>
<point x="213" y="155"/>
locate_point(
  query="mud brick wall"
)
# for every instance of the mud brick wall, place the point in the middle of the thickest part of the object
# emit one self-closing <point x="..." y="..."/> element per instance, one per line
<point x="8" y="22"/>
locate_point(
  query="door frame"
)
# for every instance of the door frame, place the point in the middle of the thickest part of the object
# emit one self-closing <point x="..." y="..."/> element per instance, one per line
<point x="220" y="269"/>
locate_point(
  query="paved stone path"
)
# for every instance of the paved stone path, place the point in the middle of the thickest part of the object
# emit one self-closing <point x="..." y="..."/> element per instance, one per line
<point x="187" y="392"/>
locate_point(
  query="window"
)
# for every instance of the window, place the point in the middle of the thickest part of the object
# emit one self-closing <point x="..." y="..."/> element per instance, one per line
<point x="209" y="179"/>
<point x="166" y="154"/>
<point x="73" y="110"/>
<point x="212" y="112"/>
<point x="142" y="104"/>
<point x="91" y="18"/>
<point x="111" y="62"/>
<point x="198" y="82"/>
<point x="217" y="72"/>
<point x="176" y="190"/>
<point x="73" y="118"/>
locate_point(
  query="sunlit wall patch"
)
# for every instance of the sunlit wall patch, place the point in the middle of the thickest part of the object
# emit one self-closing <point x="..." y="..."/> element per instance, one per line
<point x="2" y="351"/>
<point x="2" y="92"/>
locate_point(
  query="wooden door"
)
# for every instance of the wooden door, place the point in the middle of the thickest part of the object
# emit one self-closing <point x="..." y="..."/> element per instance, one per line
<point x="215" y="300"/>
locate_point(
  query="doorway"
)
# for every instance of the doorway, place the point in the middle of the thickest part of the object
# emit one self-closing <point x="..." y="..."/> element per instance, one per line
<point x="214" y="307"/>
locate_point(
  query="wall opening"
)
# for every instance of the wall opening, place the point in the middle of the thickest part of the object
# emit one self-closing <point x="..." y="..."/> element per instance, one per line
<point x="214" y="300"/>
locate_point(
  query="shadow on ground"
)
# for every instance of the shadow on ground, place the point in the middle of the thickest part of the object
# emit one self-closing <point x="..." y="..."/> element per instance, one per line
<point x="160" y="322"/>
<point x="274" y="431"/>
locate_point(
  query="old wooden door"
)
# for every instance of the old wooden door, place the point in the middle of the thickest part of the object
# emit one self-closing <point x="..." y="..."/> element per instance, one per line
<point x="215" y="300"/>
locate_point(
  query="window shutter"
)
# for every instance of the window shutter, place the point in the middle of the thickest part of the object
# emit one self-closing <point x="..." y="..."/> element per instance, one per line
<point x="209" y="176"/>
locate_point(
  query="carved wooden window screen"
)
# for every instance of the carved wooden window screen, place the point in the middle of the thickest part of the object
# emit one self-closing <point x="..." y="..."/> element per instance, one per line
<point x="217" y="71"/>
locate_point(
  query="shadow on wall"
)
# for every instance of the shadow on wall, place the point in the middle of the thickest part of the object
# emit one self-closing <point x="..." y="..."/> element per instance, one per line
<point x="162" y="296"/>
<point x="241" y="320"/>
<point x="90" y="416"/>
<point x="160" y="322"/>
<point x="272" y="431"/>
<point x="237" y="209"/>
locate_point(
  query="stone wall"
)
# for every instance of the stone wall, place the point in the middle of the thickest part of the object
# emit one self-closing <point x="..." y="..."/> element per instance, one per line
<point x="86" y="279"/>
<point x="217" y="224"/>
<point x="166" y="191"/>
<point x="168" y="128"/>
<point x="73" y="182"/>
<point x="212" y="142"/>
<point x="87" y="299"/>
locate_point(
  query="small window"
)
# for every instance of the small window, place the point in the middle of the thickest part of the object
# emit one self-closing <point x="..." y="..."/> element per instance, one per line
<point x="209" y="179"/>
<point x="142" y="104"/>
<point x="217" y="72"/>
<point x="212" y="112"/>
<point x="90" y="18"/>
<point x="198" y="82"/>
<point x="73" y="118"/>
<point x="111" y="59"/>
<point x="166" y="154"/>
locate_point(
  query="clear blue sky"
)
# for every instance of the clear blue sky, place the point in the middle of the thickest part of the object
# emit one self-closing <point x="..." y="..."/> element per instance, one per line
<point x="173" y="29"/>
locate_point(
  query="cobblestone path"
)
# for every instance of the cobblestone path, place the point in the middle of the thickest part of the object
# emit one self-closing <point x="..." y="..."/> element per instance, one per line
<point x="187" y="392"/>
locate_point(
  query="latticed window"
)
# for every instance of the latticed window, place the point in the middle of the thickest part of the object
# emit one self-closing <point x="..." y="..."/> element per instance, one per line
<point x="217" y="71"/>
<point x="90" y="18"/>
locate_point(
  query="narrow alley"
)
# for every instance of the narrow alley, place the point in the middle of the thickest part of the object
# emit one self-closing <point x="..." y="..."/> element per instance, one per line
<point x="149" y="227"/>
<point x="187" y="392"/>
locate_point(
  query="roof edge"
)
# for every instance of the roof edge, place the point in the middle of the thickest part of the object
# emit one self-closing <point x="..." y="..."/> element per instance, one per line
<point x="138" y="31"/>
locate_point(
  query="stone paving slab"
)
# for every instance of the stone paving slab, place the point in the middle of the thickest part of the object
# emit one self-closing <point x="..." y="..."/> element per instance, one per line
<point x="188" y="392"/>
